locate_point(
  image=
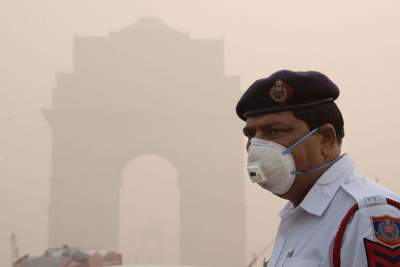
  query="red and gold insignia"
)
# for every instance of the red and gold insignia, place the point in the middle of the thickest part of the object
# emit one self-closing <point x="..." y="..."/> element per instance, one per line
<point x="387" y="230"/>
<point x="379" y="255"/>
<point x="280" y="92"/>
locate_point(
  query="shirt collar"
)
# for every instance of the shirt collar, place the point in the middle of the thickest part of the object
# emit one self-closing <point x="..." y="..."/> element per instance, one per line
<point x="321" y="194"/>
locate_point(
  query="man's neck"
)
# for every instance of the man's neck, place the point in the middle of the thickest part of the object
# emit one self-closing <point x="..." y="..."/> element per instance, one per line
<point x="304" y="182"/>
<point x="301" y="185"/>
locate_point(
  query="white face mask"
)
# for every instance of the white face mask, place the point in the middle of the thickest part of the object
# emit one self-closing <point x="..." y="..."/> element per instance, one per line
<point x="273" y="166"/>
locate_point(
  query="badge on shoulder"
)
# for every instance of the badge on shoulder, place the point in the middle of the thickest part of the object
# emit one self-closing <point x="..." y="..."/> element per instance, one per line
<point x="386" y="251"/>
<point x="387" y="230"/>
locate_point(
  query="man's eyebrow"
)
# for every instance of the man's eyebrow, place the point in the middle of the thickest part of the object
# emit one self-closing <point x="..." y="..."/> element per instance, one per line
<point x="269" y="126"/>
<point x="248" y="131"/>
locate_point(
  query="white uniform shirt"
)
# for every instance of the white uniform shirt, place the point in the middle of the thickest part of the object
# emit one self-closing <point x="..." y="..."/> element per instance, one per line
<point x="306" y="233"/>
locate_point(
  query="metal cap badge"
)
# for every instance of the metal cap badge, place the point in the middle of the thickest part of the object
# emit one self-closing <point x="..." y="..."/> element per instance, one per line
<point x="280" y="92"/>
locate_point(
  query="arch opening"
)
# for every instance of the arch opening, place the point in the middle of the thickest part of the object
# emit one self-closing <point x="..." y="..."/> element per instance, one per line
<point x="150" y="212"/>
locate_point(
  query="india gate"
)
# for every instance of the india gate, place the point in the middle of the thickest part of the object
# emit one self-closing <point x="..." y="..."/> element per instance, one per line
<point x="148" y="89"/>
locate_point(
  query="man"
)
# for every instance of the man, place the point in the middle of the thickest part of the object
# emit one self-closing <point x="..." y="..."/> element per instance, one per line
<point x="333" y="217"/>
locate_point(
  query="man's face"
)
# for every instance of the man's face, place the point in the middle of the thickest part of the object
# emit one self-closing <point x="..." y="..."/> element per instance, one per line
<point x="285" y="129"/>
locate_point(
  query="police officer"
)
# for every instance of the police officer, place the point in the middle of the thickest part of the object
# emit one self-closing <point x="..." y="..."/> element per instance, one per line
<point x="333" y="217"/>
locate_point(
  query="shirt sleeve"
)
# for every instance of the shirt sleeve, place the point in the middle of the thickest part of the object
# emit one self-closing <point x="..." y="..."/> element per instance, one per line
<point x="372" y="237"/>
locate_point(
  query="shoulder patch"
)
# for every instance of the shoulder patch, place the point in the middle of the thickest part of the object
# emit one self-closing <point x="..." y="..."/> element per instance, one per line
<point x="381" y="255"/>
<point x="385" y="252"/>
<point x="387" y="230"/>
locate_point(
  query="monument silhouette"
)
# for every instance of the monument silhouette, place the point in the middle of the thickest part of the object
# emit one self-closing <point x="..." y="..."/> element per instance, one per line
<point x="148" y="89"/>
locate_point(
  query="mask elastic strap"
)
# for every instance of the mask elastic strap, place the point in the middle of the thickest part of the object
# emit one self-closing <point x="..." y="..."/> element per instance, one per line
<point x="289" y="149"/>
<point x="316" y="169"/>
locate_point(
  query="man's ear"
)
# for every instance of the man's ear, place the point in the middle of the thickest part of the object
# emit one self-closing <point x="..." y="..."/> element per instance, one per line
<point x="328" y="139"/>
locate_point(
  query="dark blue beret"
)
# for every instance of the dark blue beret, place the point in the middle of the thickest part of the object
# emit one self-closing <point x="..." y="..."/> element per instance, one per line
<point x="286" y="90"/>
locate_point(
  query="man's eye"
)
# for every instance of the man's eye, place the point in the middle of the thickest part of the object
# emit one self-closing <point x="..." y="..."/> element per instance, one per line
<point x="276" y="133"/>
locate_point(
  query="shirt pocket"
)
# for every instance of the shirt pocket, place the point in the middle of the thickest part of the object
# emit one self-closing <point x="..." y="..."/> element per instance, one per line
<point x="300" y="262"/>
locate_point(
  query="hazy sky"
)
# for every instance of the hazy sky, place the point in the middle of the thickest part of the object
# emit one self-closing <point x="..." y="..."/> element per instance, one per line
<point x="356" y="43"/>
